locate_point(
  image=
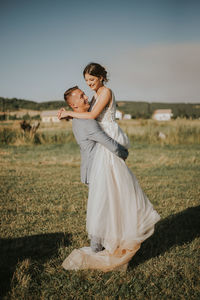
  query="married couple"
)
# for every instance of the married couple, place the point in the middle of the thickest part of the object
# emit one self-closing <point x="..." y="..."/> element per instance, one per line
<point x="119" y="215"/>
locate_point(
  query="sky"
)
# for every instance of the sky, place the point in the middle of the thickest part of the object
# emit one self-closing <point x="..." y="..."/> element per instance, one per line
<point x="151" y="49"/>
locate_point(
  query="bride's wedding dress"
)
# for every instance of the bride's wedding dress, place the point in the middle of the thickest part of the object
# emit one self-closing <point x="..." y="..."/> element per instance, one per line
<point x="119" y="214"/>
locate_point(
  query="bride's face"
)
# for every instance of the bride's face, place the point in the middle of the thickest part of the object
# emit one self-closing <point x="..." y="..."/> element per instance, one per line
<point x="93" y="82"/>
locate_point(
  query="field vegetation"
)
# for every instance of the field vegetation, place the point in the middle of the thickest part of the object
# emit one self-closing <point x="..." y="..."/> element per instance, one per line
<point x="43" y="210"/>
<point x="179" y="131"/>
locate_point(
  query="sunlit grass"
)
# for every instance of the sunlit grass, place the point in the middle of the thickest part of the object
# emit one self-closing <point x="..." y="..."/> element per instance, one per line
<point x="43" y="211"/>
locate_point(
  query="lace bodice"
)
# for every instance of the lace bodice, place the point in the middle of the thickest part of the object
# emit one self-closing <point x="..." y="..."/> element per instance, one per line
<point x="108" y="113"/>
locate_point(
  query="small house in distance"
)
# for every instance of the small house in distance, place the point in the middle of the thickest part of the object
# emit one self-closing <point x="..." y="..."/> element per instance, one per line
<point x="127" y="117"/>
<point x="118" y="115"/>
<point x="48" y="116"/>
<point x="162" y="115"/>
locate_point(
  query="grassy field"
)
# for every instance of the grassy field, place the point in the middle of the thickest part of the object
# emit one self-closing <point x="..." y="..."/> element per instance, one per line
<point x="43" y="210"/>
<point x="175" y="132"/>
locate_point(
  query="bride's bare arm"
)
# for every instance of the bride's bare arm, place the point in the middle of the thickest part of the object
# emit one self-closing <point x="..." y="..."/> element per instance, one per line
<point x="104" y="99"/>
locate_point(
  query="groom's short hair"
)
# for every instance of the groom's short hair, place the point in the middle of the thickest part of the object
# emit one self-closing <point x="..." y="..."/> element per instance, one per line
<point x="68" y="92"/>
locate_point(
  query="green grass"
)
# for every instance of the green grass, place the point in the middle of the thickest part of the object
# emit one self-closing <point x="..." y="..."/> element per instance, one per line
<point x="43" y="210"/>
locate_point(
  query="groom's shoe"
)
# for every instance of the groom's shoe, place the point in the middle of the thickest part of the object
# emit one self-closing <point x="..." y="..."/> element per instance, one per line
<point x="95" y="245"/>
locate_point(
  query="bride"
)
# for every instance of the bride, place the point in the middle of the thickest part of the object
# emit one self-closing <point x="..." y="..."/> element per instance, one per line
<point x="119" y="214"/>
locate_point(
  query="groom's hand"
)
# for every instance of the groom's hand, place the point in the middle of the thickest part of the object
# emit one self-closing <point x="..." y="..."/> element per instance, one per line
<point x="123" y="153"/>
<point x="126" y="151"/>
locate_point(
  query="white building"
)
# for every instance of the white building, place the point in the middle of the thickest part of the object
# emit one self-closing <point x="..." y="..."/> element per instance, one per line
<point x="127" y="117"/>
<point x="118" y="115"/>
<point x="162" y="115"/>
<point x="48" y="116"/>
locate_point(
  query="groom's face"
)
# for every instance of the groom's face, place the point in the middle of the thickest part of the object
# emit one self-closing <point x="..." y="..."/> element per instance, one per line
<point x="79" y="101"/>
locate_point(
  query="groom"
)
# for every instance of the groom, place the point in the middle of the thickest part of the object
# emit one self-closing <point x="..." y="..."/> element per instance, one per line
<point x="88" y="133"/>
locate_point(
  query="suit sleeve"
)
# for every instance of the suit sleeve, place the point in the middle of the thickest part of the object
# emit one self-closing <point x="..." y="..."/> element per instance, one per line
<point x="95" y="133"/>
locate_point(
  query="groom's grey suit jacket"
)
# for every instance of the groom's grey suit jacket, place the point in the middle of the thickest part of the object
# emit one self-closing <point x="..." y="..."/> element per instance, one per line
<point x="88" y="133"/>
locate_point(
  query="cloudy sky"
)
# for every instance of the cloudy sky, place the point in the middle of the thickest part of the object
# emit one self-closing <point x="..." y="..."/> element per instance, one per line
<point x="151" y="49"/>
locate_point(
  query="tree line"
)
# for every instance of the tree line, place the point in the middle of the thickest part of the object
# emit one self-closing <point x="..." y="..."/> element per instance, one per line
<point x="135" y="108"/>
<point x="14" y="104"/>
<point x="145" y="109"/>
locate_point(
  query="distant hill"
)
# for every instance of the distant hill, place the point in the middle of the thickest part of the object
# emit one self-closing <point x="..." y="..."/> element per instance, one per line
<point x="146" y="109"/>
<point x="15" y="104"/>
<point x="135" y="108"/>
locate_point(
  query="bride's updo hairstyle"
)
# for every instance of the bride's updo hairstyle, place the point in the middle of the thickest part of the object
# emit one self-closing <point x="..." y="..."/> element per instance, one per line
<point x="97" y="70"/>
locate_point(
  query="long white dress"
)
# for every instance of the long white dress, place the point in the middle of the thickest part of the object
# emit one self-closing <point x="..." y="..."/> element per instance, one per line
<point x="119" y="214"/>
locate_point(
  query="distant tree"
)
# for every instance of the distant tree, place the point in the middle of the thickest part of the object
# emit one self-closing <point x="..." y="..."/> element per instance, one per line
<point x="14" y="117"/>
<point x="3" y="117"/>
<point x="26" y="117"/>
<point x="37" y="117"/>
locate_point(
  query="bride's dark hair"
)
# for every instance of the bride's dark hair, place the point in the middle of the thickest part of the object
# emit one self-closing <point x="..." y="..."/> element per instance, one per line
<point x="97" y="70"/>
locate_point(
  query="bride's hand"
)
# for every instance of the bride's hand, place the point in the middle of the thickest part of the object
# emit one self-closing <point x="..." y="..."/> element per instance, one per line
<point x="63" y="114"/>
<point x="60" y="112"/>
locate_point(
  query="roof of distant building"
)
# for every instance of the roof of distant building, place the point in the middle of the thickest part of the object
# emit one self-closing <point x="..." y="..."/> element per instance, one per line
<point x="49" y="113"/>
<point x="162" y="111"/>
